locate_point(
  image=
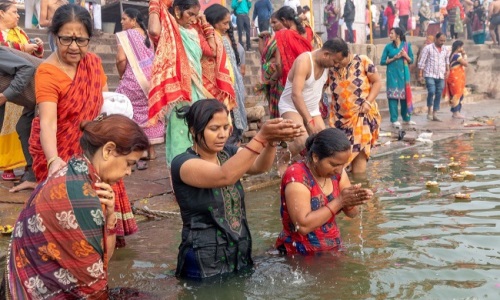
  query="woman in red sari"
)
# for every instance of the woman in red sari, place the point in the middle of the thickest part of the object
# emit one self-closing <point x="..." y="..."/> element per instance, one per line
<point x="314" y="192"/>
<point x="63" y="238"/>
<point x="68" y="87"/>
<point x="390" y="13"/>
<point x="291" y="42"/>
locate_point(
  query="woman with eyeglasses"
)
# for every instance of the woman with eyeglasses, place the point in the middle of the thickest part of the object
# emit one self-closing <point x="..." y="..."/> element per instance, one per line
<point x="12" y="36"/>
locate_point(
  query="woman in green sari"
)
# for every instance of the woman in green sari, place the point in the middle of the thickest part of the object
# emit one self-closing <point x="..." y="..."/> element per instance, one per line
<point x="397" y="56"/>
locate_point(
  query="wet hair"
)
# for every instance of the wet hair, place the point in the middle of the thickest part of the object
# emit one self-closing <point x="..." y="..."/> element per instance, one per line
<point x="389" y="4"/>
<point x="286" y="13"/>
<point x="124" y="132"/>
<point x="6" y="4"/>
<point x="216" y="13"/>
<point x="198" y="115"/>
<point x="454" y="47"/>
<point x="439" y="34"/>
<point x="336" y="45"/>
<point x="327" y="143"/>
<point x="69" y="13"/>
<point x="399" y="32"/>
<point x="183" y="5"/>
<point x="136" y="15"/>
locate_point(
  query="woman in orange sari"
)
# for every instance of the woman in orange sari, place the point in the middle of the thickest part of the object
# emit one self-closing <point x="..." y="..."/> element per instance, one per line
<point x="182" y="38"/>
<point x="455" y="83"/>
<point x="291" y="42"/>
<point x="11" y="151"/>
<point x="69" y="87"/>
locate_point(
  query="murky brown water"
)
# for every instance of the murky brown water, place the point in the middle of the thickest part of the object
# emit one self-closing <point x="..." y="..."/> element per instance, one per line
<point x="408" y="243"/>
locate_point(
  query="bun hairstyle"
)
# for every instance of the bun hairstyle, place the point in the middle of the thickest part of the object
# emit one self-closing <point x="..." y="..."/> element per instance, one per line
<point x="136" y="15"/>
<point x="286" y="13"/>
<point x="125" y="133"/>
<point x="327" y="143"/>
<point x="198" y="115"/>
<point x="68" y="13"/>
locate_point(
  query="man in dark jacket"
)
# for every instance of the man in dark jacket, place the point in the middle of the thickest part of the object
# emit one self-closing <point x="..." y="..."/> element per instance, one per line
<point x="263" y="10"/>
<point x="348" y="16"/>
<point x="17" y="86"/>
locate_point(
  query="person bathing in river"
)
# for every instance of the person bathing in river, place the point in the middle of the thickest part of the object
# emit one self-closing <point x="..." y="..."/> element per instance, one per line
<point x="206" y="180"/>
<point x="314" y="192"/>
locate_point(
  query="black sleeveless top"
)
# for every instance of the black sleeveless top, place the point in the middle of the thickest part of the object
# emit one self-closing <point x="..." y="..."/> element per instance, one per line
<point x="214" y="221"/>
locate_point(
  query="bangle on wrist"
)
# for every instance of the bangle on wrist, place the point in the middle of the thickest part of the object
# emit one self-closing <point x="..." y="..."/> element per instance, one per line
<point x="251" y="150"/>
<point x="330" y="209"/>
<point x="51" y="160"/>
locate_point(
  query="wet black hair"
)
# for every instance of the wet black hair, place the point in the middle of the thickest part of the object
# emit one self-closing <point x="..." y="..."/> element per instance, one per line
<point x="215" y="13"/>
<point x="68" y="13"/>
<point x="136" y="15"/>
<point x="327" y="143"/>
<point x="183" y="5"/>
<point x="286" y="13"/>
<point x="336" y="45"/>
<point x="399" y="32"/>
<point x="198" y="115"/>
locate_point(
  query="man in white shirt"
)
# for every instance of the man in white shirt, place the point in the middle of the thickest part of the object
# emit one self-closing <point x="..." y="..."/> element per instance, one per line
<point x="293" y="4"/>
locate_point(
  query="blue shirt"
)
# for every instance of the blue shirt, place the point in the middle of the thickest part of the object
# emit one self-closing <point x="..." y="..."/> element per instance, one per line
<point x="241" y="7"/>
<point x="262" y="9"/>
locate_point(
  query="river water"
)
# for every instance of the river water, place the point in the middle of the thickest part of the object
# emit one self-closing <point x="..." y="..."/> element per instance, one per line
<point x="409" y="242"/>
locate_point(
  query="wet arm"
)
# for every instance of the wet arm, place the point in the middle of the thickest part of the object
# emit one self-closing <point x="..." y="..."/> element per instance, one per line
<point x="264" y="161"/>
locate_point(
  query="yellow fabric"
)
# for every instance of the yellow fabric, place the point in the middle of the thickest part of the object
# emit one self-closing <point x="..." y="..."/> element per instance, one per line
<point x="16" y="36"/>
<point x="11" y="153"/>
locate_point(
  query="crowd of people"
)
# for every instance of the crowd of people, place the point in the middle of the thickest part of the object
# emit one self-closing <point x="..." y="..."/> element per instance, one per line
<point x="183" y="73"/>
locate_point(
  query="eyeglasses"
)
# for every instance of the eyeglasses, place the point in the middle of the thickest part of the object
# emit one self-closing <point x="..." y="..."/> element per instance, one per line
<point x="68" y="40"/>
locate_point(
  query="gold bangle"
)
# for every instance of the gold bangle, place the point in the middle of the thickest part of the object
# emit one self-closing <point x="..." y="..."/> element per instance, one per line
<point x="50" y="161"/>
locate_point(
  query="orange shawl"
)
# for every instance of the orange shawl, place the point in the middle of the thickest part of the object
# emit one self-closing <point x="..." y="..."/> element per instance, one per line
<point x="171" y="76"/>
<point x="290" y="45"/>
<point x="216" y="76"/>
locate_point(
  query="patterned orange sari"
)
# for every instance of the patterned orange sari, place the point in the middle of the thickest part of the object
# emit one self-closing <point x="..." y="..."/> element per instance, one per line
<point x="171" y="76"/>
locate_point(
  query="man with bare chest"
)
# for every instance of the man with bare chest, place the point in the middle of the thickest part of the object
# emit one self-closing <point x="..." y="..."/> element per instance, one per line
<point x="47" y="10"/>
<point x="494" y="15"/>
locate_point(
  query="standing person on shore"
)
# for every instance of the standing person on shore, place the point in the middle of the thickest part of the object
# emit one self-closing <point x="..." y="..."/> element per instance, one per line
<point x="134" y="61"/>
<point x="332" y="20"/>
<point x="176" y="77"/>
<point x="397" y="56"/>
<point x="242" y="8"/>
<point x="310" y="186"/>
<point x="47" y="10"/>
<point x="219" y="17"/>
<point x="348" y="16"/>
<point x="455" y="82"/>
<point x="262" y="11"/>
<point x="434" y="67"/>
<point x="300" y="101"/>
<point x="382" y="22"/>
<point x="403" y="8"/>
<point x="12" y="36"/>
<point x="390" y="13"/>
<point x="270" y="76"/>
<point x="425" y="15"/>
<point x="18" y="86"/>
<point x="216" y="237"/>
<point x="494" y="17"/>
<point x="477" y="18"/>
<point x="355" y="84"/>
<point x="455" y="16"/>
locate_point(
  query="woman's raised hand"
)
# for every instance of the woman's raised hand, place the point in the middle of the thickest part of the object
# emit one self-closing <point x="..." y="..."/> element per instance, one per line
<point x="106" y="196"/>
<point x="355" y="195"/>
<point x="280" y="129"/>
